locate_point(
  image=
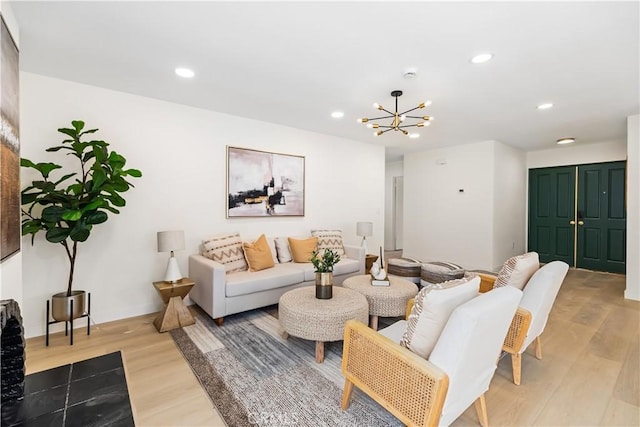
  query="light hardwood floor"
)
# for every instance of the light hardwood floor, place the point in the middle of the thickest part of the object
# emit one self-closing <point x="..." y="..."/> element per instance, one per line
<point x="589" y="374"/>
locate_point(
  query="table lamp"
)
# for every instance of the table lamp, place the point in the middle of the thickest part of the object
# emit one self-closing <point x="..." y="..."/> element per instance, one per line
<point x="170" y="241"/>
<point x="364" y="230"/>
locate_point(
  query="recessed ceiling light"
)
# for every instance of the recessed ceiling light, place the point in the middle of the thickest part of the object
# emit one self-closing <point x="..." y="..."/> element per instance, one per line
<point x="545" y="106"/>
<point x="337" y="114"/>
<point x="483" y="57"/>
<point x="414" y="135"/>
<point x="562" y="141"/>
<point x="185" y="72"/>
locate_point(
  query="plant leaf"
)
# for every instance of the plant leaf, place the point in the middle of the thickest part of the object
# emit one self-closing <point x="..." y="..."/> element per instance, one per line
<point x="99" y="177"/>
<point x="96" y="217"/>
<point x="26" y="163"/>
<point x="133" y="172"/>
<point x="80" y="232"/>
<point x="78" y="125"/>
<point x="74" y="215"/>
<point x="57" y="234"/>
<point x="52" y="214"/>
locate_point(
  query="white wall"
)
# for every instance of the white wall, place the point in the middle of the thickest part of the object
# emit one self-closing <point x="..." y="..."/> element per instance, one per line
<point x="181" y="152"/>
<point x="441" y="223"/>
<point x="11" y="268"/>
<point x="509" y="203"/>
<point x="633" y="208"/>
<point x="577" y="154"/>
<point x="392" y="169"/>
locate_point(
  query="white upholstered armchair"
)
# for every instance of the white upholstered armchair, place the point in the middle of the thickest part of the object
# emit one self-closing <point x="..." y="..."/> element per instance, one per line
<point x="421" y="392"/>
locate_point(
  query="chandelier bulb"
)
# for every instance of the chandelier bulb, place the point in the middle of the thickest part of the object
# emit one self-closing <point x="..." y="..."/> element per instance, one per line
<point x="427" y="124"/>
<point x="421" y="105"/>
<point x="402" y="117"/>
<point x="421" y="124"/>
<point x="363" y="120"/>
<point x="427" y="118"/>
<point x="378" y="106"/>
<point x="404" y="131"/>
<point x="427" y="103"/>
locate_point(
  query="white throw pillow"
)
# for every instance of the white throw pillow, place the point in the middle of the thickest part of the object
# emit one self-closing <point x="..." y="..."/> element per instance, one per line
<point x="431" y="311"/>
<point x="227" y="250"/>
<point x="329" y="239"/>
<point x="272" y="246"/>
<point x="282" y="247"/>
<point x="517" y="270"/>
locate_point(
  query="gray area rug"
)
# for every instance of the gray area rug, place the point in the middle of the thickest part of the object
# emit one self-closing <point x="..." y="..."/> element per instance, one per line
<point x="257" y="378"/>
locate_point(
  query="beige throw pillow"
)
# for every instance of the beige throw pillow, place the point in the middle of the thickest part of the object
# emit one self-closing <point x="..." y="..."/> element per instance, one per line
<point x="517" y="270"/>
<point x="301" y="249"/>
<point x="227" y="250"/>
<point x="431" y="311"/>
<point x="282" y="247"/>
<point x="258" y="254"/>
<point x="329" y="239"/>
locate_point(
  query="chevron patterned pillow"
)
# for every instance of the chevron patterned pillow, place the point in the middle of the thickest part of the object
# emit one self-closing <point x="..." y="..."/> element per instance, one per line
<point x="329" y="239"/>
<point x="227" y="250"/>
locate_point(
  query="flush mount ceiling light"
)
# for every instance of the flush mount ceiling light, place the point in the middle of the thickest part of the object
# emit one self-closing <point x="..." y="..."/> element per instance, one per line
<point x="545" y="106"/>
<point x="399" y="120"/>
<point x="337" y="114"/>
<point x="483" y="57"/>
<point x="563" y="141"/>
<point x="185" y="72"/>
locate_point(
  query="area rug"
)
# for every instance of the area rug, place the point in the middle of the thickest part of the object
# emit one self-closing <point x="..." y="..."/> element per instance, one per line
<point x="255" y="377"/>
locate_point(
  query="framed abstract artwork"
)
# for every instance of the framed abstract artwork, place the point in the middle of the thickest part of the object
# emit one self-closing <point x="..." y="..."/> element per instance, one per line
<point x="9" y="146"/>
<point x="263" y="184"/>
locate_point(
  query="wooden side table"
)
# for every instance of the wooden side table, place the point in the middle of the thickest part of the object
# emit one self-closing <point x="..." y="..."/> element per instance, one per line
<point x="175" y="313"/>
<point x="368" y="262"/>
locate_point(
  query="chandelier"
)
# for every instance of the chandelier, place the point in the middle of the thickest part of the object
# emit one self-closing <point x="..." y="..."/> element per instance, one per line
<point x="399" y="121"/>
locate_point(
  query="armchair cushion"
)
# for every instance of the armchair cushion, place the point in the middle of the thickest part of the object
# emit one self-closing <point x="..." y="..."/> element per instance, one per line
<point x="517" y="270"/>
<point x="431" y="310"/>
<point x="227" y="250"/>
<point x="329" y="239"/>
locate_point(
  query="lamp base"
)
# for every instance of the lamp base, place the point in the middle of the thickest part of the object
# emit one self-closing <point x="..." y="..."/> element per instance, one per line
<point x="173" y="271"/>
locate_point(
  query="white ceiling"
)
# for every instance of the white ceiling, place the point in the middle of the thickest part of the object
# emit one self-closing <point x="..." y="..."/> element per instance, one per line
<point x="293" y="63"/>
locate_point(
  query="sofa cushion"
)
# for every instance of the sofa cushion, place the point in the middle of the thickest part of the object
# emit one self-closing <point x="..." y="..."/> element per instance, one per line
<point x="517" y="270"/>
<point x="282" y="247"/>
<point x="227" y="250"/>
<point x="329" y="239"/>
<point x="345" y="266"/>
<point x="301" y="249"/>
<point x="258" y="254"/>
<point x="248" y="282"/>
<point x="431" y="310"/>
<point x="437" y="272"/>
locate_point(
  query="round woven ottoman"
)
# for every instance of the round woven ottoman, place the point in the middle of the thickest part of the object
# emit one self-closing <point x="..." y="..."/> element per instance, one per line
<point x="406" y="268"/>
<point x="302" y="315"/>
<point x="438" y="272"/>
<point x="384" y="301"/>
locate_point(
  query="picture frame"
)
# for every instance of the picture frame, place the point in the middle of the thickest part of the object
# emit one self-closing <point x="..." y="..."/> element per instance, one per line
<point x="264" y="184"/>
<point x="10" y="227"/>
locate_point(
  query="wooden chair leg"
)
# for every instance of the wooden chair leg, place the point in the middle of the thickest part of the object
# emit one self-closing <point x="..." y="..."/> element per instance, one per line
<point x="538" y="347"/>
<point x="516" y="365"/>
<point x="481" y="410"/>
<point x="346" y="395"/>
<point x="218" y="321"/>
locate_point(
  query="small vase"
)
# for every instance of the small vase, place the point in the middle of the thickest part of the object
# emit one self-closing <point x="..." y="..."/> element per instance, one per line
<point x="61" y="305"/>
<point x="324" y="285"/>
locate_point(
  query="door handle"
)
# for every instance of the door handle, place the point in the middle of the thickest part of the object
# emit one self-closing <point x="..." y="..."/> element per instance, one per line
<point x="572" y="222"/>
<point x="580" y="222"/>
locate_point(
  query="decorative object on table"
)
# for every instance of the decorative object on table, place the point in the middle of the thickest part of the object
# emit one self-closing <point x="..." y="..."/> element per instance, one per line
<point x="9" y="147"/>
<point x="323" y="262"/>
<point x="175" y="313"/>
<point x="260" y="183"/>
<point x="170" y="241"/>
<point x="369" y="259"/>
<point x="364" y="230"/>
<point x="66" y="211"/>
<point x="399" y="120"/>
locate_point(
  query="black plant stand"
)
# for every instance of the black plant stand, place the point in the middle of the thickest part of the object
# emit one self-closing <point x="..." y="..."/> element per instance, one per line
<point x="68" y="324"/>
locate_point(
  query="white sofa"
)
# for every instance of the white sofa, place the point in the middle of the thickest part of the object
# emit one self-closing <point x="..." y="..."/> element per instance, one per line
<point x="221" y="294"/>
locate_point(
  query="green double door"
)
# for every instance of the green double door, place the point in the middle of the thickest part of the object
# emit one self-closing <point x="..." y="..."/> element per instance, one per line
<point x="577" y="214"/>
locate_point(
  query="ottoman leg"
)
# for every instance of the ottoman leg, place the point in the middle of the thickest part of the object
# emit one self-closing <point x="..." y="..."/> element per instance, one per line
<point x="319" y="351"/>
<point x="373" y="323"/>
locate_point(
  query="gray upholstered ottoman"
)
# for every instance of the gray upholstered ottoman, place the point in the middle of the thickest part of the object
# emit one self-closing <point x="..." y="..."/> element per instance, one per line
<point x="438" y="272"/>
<point x="407" y="268"/>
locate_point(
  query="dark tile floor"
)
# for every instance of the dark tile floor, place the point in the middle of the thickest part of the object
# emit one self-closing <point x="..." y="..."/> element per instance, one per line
<point x="88" y="393"/>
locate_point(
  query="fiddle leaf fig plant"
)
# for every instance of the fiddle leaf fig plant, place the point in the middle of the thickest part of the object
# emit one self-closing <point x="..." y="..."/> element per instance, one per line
<point x="67" y="208"/>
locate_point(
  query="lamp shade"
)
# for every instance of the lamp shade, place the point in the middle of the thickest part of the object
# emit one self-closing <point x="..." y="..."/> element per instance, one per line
<point x="364" y="229"/>
<point x="170" y="241"/>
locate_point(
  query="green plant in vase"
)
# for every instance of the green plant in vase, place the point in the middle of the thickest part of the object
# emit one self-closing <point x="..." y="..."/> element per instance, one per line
<point x="68" y="207"/>
<point x="323" y="262"/>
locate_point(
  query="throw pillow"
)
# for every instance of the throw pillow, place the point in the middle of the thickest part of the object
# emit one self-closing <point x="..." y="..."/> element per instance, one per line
<point x="517" y="270"/>
<point x="282" y="247"/>
<point x="258" y="254"/>
<point x="329" y="239"/>
<point x="272" y="246"/>
<point x="301" y="249"/>
<point x="227" y="250"/>
<point x="431" y="311"/>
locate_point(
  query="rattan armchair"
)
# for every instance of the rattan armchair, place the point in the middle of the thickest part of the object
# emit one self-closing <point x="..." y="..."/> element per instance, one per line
<point x="436" y="391"/>
<point x="531" y="317"/>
